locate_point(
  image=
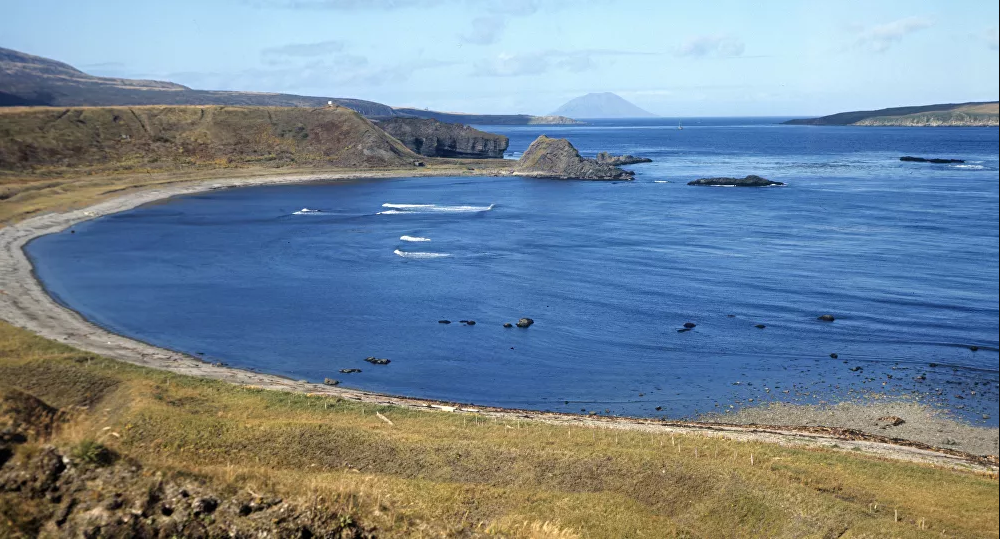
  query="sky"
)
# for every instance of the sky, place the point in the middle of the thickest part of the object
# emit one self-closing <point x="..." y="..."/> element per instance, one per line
<point x="708" y="58"/>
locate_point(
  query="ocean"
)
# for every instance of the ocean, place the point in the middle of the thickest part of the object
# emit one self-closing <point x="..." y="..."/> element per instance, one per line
<point x="305" y="280"/>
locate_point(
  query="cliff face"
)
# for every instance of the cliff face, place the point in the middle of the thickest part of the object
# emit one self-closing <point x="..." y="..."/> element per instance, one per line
<point x="432" y="138"/>
<point x="130" y="137"/>
<point x="557" y="158"/>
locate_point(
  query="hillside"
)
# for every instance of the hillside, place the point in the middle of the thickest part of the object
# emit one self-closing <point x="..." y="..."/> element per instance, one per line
<point x="134" y="137"/>
<point x="977" y="114"/>
<point x="484" y="119"/>
<point x="33" y="80"/>
<point x="28" y="80"/>
<point x="601" y="105"/>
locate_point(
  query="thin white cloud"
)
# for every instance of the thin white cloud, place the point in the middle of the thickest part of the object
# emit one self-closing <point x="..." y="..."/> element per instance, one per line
<point x="881" y="37"/>
<point x="303" y="50"/>
<point x="537" y="63"/>
<point x="714" y="45"/>
<point x="485" y="30"/>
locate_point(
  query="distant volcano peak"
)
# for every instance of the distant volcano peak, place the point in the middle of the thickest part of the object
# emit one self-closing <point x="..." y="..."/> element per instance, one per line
<point x="601" y="105"/>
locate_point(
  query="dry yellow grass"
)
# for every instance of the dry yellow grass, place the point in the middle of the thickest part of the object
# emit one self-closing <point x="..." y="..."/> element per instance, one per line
<point x="444" y="474"/>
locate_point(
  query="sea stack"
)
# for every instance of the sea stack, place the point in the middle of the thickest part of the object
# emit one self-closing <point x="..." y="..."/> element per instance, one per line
<point x="556" y="158"/>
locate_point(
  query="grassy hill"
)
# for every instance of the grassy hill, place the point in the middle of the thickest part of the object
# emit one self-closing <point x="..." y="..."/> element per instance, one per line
<point x="384" y="471"/>
<point x="977" y="114"/>
<point x="118" y="138"/>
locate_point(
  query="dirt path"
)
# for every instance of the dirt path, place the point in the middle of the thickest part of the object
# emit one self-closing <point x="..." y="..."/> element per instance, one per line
<point x="24" y="303"/>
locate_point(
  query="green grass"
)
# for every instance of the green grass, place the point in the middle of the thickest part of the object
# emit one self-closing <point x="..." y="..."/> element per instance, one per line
<point x="458" y="474"/>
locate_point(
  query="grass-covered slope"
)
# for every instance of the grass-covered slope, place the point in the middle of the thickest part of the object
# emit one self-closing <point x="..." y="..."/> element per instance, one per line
<point x="33" y="138"/>
<point x="402" y="472"/>
<point x="977" y="114"/>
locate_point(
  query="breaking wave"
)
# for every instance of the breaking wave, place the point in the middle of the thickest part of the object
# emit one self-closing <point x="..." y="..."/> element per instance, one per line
<point x="396" y="209"/>
<point x="413" y="238"/>
<point x="307" y="211"/>
<point x="418" y="254"/>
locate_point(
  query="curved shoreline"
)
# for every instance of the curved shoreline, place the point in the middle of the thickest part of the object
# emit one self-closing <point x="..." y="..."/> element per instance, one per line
<point x="24" y="302"/>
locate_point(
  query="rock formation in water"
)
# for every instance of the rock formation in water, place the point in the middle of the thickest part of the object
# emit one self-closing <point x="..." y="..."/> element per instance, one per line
<point x="931" y="160"/>
<point x="618" y="160"/>
<point x="557" y="158"/>
<point x="432" y="138"/>
<point x="749" y="181"/>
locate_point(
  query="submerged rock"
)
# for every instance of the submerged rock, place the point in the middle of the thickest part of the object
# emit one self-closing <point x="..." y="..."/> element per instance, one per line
<point x="349" y="371"/>
<point x="690" y="325"/>
<point x="912" y="159"/>
<point x="834" y="356"/>
<point x="377" y="360"/>
<point x="525" y="322"/>
<point x="508" y="325"/>
<point x="749" y="181"/>
<point x="826" y="318"/>
<point x="760" y="326"/>
<point x="557" y="158"/>
<point x="444" y="321"/>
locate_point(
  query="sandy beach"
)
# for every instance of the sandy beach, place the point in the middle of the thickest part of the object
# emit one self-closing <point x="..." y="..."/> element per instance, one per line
<point x="926" y="435"/>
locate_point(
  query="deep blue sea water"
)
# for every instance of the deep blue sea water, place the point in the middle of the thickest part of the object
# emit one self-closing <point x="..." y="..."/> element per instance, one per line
<point x="905" y="255"/>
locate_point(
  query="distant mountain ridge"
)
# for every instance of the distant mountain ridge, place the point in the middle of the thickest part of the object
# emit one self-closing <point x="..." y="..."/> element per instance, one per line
<point x="973" y="114"/>
<point x="601" y="105"/>
<point x="29" y="80"/>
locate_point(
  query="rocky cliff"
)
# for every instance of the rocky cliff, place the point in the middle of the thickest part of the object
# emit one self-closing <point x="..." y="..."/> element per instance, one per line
<point x="557" y="158"/>
<point x="432" y="138"/>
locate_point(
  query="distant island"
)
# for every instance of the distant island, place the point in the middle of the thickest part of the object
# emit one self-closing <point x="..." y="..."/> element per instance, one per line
<point x="975" y="114"/>
<point x="29" y="80"/>
<point x="601" y="106"/>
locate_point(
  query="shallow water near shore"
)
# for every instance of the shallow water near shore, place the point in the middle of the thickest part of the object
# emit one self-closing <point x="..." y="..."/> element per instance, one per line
<point x="306" y="280"/>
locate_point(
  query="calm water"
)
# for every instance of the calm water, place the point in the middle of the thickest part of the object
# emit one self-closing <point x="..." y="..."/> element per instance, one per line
<point x="905" y="255"/>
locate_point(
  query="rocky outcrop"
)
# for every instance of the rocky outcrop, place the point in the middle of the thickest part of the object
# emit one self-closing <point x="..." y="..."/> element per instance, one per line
<point x="749" y="181"/>
<point x="618" y="160"/>
<point x="911" y="159"/>
<point x="557" y="158"/>
<point x="432" y="138"/>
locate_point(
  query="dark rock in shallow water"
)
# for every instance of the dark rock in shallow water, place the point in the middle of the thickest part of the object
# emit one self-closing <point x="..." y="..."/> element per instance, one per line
<point x="377" y="360"/>
<point x="606" y="158"/>
<point x="690" y="325"/>
<point x="349" y="371"/>
<point x="974" y="348"/>
<point x="525" y="322"/>
<point x="432" y="138"/>
<point x="469" y="322"/>
<point x="508" y="325"/>
<point x="826" y="317"/>
<point x="912" y="159"/>
<point x="444" y="321"/>
<point x="834" y="356"/>
<point x="556" y="158"/>
<point x="683" y="330"/>
<point x="760" y="326"/>
<point x="749" y="181"/>
<point x="331" y="381"/>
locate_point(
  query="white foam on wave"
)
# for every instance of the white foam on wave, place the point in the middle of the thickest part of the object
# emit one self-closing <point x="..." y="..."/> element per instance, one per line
<point x="661" y="181"/>
<point x="971" y="167"/>
<point x="413" y="238"/>
<point x="419" y="254"/>
<point x="396" y="209"/>
<point x="307" y="211"/>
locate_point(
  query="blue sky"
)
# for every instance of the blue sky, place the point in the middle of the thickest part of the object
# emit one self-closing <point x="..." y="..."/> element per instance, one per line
<point x="672" y="58"/>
